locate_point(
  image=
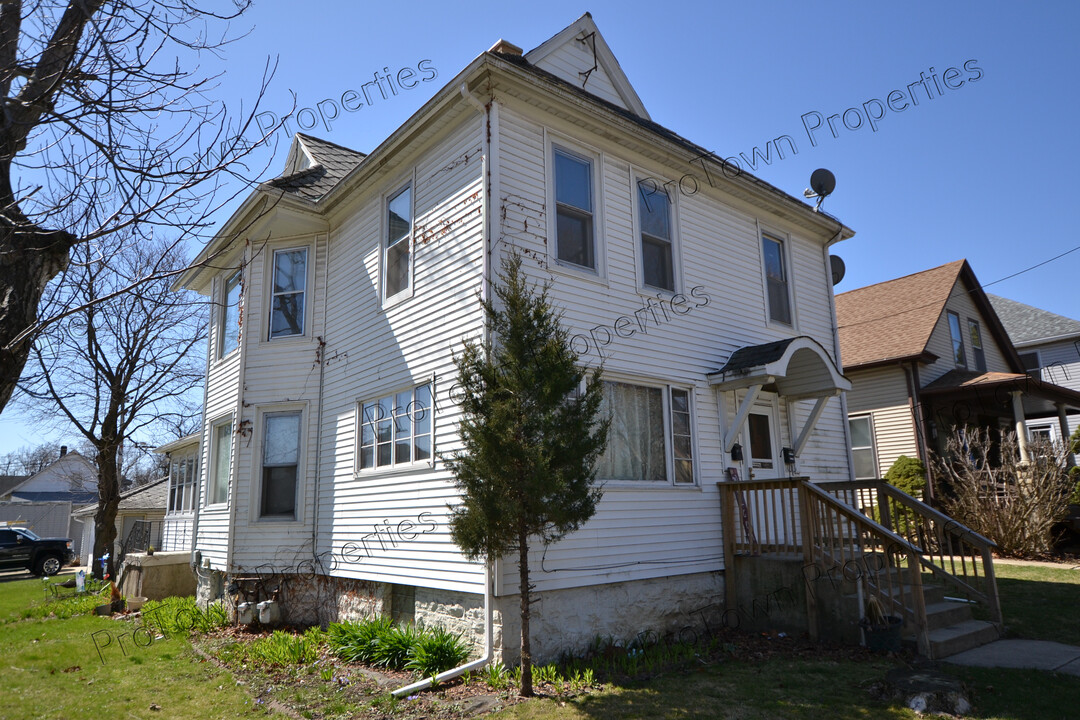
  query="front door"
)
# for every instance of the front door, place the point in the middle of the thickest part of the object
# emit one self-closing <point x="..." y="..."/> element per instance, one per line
<point x="762" y="440"/>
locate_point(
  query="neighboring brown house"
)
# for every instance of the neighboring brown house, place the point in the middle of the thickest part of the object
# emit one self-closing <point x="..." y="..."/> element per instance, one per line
<point x="926" y="353"/>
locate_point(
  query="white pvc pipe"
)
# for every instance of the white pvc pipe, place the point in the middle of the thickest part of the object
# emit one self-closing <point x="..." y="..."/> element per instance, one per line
<point x="489" y="646"/>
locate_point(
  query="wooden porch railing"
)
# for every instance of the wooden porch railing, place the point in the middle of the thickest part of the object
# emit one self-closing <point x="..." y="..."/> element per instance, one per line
<point x="955" y="554"/>
<point x="793" y="516"/>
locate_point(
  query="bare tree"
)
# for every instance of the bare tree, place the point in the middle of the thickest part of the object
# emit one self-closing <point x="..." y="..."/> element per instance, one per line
<point x="121" y="365"/>
<point x="29" y="459"/>
<point x="105" y="137"/>
<point x="1012" y="502"/>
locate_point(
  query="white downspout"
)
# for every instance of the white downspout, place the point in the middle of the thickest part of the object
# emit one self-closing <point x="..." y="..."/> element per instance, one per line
<point x="836" y="350"/>
<point x="489" y="615"/>
<point x="489" y="646"/>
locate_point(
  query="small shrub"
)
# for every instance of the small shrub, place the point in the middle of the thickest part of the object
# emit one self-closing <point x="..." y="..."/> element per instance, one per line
<point x="357" y="641"/>
<point x="282" y="648"/>
<point x="908" y="475"/>
<point x="436" y="651"/>
<point x="392" y="650"/>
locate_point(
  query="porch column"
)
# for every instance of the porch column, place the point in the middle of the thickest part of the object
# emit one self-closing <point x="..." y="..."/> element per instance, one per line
<point x="1021" y="426"/>
<point x="1063" y="423"/>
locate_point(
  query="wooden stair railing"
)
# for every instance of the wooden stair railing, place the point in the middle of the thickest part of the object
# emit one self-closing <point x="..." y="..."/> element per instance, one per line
<point x="953" y="553"/>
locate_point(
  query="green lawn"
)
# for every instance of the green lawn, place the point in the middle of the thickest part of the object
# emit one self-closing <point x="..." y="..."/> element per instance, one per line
<point x="1040" y="603"/>
<point x="52" y="669"/>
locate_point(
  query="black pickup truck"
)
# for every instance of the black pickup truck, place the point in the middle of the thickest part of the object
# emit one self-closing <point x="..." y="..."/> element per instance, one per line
<point x="20" y="548"/>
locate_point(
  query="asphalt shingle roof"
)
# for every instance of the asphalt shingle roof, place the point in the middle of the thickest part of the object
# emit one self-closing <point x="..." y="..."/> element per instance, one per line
<point x="332" y="163"/>
<point x="893" y="320"/>
<point x="1026" y="324"/>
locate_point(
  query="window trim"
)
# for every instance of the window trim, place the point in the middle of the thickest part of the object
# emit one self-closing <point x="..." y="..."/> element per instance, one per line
<point x="980" y="364"/>
<point x="384" y="233"/>
<point x="959" y="359"/>
<point x="784" y="240"/>
<point x="869" y="417"/>
<point x="637" y="177"/>
<point x="669" y="437"/>
<point x="177" y="489"/>
<point x="211" y="479"/>
<point x="555" y="141"/>
<point x="395" y="467"/>
<point x="308" y="248"/>
<point x="222" y="315"/>
<point x="255" y="506"/>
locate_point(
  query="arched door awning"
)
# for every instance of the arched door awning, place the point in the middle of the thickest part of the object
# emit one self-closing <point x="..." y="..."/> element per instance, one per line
<point x="797" y="368"/>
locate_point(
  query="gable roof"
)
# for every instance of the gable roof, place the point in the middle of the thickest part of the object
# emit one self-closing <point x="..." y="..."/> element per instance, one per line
<point x="1029" y="325"/>
<point x="72" y="457"/>
<point x="584" y="30"/>
<point x="10" y="482"/>
<point x="892" y="321"/>
<point x="152" y="496"/>
<point x="314" y="167"/>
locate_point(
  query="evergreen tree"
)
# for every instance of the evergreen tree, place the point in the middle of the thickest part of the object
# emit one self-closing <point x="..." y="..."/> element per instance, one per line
<point x="531" y="439"/>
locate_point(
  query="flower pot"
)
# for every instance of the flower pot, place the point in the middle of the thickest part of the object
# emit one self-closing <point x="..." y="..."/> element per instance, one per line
<point x="134" y="604"/>
<point x="884" y="638"/>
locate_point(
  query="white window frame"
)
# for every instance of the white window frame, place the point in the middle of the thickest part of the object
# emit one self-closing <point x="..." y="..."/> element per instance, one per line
<point x="553" y="142"/>
<point x="223" y="314"/>
<point x="301" y="463"/>
<point x="960" y="362"/>
<point x="395" y="466"/>
<point x="784" y="240"/>
<point x="669" y="439"/>
<point x="212" y="476"/>
<point x="872" y="447"/>
<point x="407" y="183"/>
<point x="663" y="194"/>
<point x="309" y="260"/>
<point x="186" y="466"/>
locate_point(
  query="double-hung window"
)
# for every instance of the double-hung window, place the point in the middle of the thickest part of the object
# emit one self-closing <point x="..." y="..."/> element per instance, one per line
<point x="290" y="283"/>
<point x="654" y="218"/>
<point x="395" y="430"/>
<point x="977" y="351"/>
<point x="649" y="439"/>
<point x="220" y="464"/>
<point x="397" y="254"/>
<point x="776" y="280"/>
<point x="230" y="315"/>
<point x="182" y="471"/>
<point x="280" y="464"/>
<point x="957" y="340"/>
<point x="862" y="447"/>
<point x="574" y="223"/>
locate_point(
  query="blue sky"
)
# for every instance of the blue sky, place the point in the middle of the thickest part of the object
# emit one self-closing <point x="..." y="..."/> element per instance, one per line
<point x="983" y="171"/>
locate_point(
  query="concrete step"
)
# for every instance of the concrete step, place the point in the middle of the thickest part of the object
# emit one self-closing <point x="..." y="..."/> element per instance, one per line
<point x="944" y="614"/>
<point x="962" y="636"/>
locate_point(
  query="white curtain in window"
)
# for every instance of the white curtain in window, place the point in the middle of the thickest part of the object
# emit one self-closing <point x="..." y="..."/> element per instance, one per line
<point x="635" y="449"/>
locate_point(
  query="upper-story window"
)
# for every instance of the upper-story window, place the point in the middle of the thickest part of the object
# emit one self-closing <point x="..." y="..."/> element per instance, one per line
<point x="395" y="430"/>
<point x="574" y="231"/>
<point x="290" y="283"/>
<point x="1032" y="364"/>
<point x="776" y="280"/>
<point x="397" y="259"/>
<point x="957" y="340"/>
<point x="654" y="219"/>
<point x="650" y="434"/>
<point x="977" y="351"/>
<point x="230" y="314"/>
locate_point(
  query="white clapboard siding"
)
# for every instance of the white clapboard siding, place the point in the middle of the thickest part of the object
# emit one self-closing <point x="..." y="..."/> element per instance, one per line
<point x="573" y="58"/>
<point x="940" y="343"/>
<point x="176" y="533"/>
<point x="659" y="530"/>
<point x="883" y="394"/>
<point x="1060" y="362"/>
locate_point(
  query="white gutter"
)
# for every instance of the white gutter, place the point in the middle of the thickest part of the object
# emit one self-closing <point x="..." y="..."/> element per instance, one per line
<point x="489" y="646"/>
<point x="489" y="617"/>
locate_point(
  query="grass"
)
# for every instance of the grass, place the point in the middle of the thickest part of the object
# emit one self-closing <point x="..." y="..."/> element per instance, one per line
<point x="1039" y="602"/>
<point x="53" y="669"/>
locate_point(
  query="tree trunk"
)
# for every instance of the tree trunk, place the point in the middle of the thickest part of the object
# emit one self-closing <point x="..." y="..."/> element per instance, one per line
<point x="105" y="517"/>
<point x="526" y="645"/>
<point x="29" y="261"/>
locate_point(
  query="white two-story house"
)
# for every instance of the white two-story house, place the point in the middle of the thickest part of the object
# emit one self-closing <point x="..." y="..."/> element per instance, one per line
<point x="342" y="289"/>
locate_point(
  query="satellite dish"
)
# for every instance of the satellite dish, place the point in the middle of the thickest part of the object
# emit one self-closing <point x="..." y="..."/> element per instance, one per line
<point x="837" y="266"/>
<point x="822" y="182"/>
